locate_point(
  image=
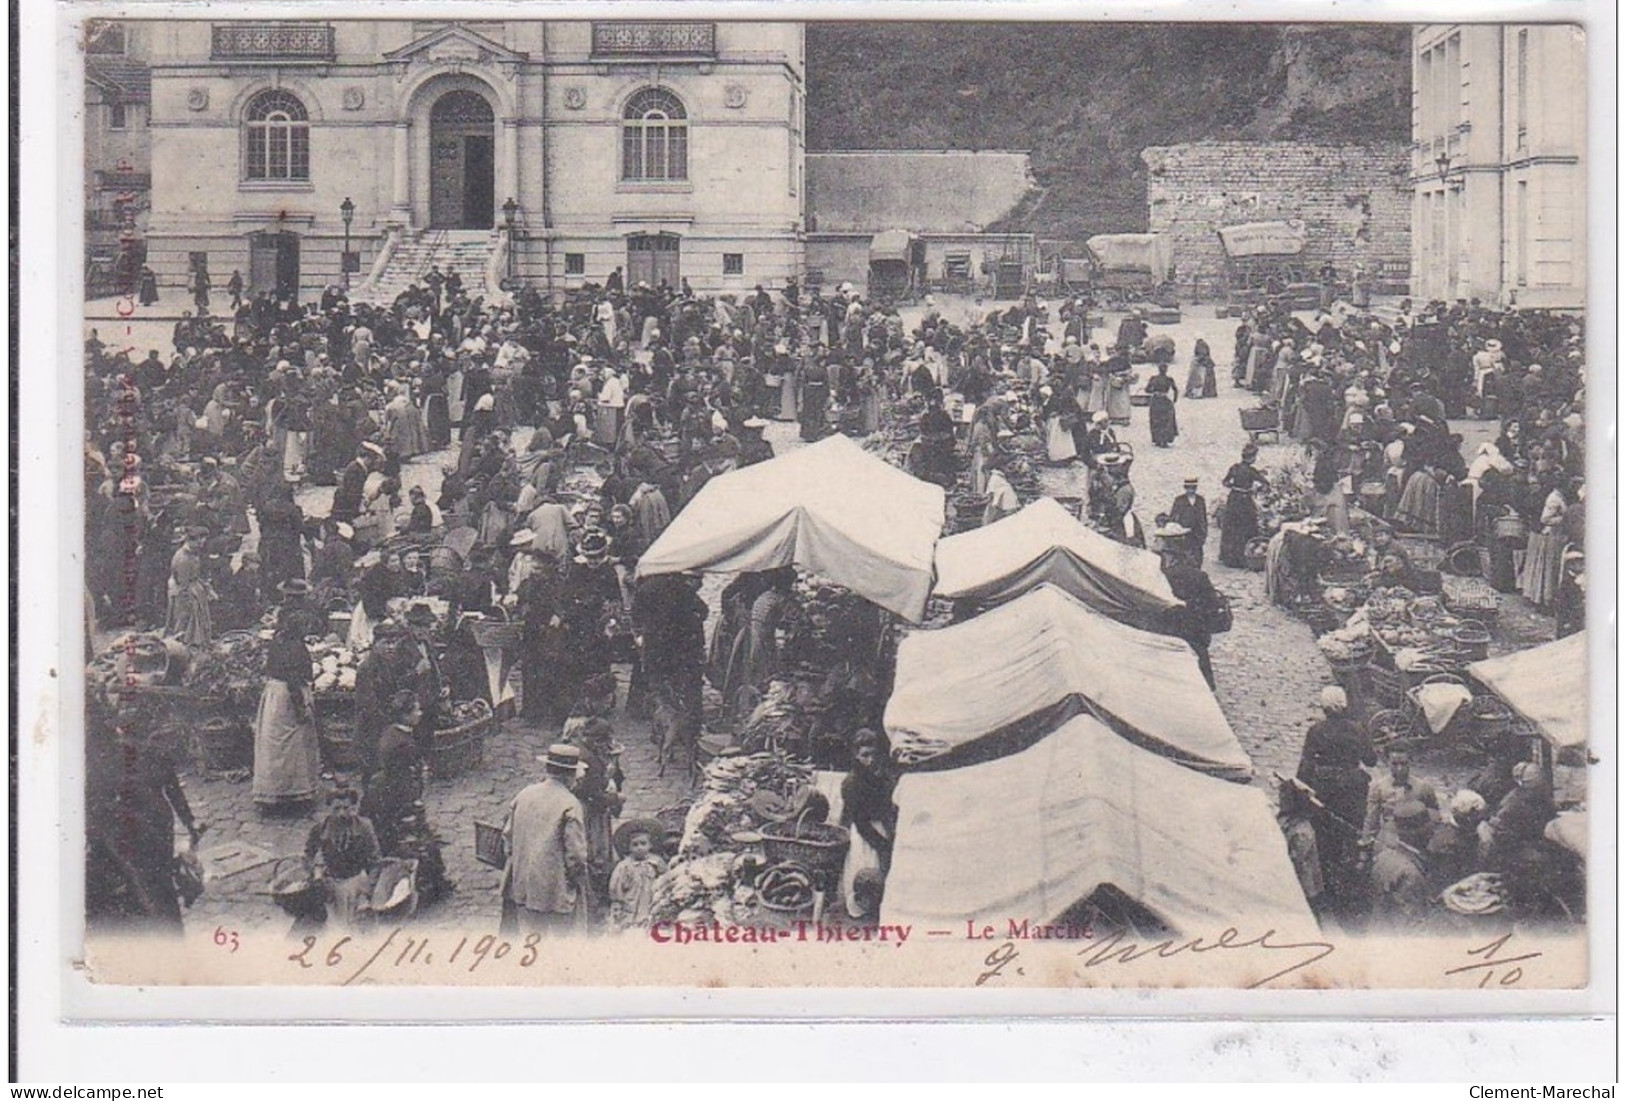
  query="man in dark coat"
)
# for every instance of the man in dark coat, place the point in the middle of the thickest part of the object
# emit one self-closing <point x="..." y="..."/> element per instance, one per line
<point x="1189" y="511"/>
<point x="1194" y="588"/>
<point x="353" y="483"/>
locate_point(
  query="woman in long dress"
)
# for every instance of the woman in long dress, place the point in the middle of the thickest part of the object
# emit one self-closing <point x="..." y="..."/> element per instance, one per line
<point x="1162" y="392"/>
<point x="188" y="618"/>
<point x="983" y="443"/>
<point x="1418" y="509"/>
<point x="1119" y="374"/>
<point x="403" y="425"/>
<point x="287" y="751"/>
<point x="814" y="401"/>
<point x="436" y="411"/>
<point x="789" y="380"/>
<point x="1060" y="413"/>
<point x="1543" y="559"/>
<point x="1240" y="510"/>
<point x="1202" y="379"/>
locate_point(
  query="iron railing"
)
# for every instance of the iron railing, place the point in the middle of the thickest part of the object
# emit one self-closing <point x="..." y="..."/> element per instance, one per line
<point x="273" y="42"/>
<point x="663" y="39"/>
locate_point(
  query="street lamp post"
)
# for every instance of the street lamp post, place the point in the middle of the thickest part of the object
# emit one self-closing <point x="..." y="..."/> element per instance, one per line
<point x="510" y="215"/>
<point x="347" y="213"/>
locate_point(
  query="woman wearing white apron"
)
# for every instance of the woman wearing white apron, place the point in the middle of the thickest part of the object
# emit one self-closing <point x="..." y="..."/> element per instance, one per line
<point x="870" y="815"/>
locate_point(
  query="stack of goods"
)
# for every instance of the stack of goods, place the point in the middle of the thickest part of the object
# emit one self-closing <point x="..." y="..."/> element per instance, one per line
<point x="232" y="668"/>
<point x="1285" y="500"/>
<point x="700" y="891"/>
<point x="333" y="666"/>
<point x="1415" y="635"/>
<point x="139" y="661"/>
<point x="741" y="793"/>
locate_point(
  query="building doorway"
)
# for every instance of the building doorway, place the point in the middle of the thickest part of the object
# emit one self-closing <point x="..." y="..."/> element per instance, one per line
<point x="652" y="258"/>
<point x="273" y="265"/>
<point x="462" y="167"/>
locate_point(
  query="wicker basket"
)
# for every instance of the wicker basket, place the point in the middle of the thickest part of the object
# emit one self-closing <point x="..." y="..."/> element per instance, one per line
<point x="1321" y="618"/>
<point x="818" y="847"/>
<point x="1387" y="686"/>
<point x="1343" y="573"/>
<point x="1472" y="640"/>
<point x="1492" y="719"/>
<point x="489" y="846"/>
<point x="460" y="749"/>
<point x="1471" y="599"/>
<point x="1256" y="554"/>
<point x="224" y="745"/>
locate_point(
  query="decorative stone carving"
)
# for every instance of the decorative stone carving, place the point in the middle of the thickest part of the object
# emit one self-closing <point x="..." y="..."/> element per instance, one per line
<point x="734" y="95"/>
<point x="197" y="99"/>
<point x="354" y="98"/>
<point x="575" y="98"/>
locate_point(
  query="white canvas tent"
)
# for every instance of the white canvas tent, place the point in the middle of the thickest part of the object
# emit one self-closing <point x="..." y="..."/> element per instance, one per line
<point x="831" y="508"/>
<point x="1032" y="835"/>
<point x="1043" y="543"/>
<point x="996" y="682"/>
<point x="1545" y="685"/>
<point x="1144" y="253"/>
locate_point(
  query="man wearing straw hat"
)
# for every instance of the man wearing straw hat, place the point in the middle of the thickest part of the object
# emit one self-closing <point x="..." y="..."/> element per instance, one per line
<point x="544" y="880"/>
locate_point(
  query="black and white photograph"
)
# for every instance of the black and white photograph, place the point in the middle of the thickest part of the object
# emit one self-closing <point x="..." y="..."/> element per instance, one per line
<point x="833" y="503"/>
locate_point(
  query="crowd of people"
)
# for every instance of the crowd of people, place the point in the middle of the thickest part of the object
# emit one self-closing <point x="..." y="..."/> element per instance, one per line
<point x="193" y="467"/>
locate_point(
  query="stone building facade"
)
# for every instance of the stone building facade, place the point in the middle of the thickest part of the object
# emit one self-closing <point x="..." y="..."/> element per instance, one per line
<point x="1497" y="164"/>
<point x="1354" y="202"/>
<point x="670" y="150"/>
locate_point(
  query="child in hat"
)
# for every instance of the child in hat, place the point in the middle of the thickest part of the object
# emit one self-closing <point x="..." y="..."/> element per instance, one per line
<point x="632" y="884"/>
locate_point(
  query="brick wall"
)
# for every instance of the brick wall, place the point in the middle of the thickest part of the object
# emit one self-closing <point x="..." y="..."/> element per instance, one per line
<point x="1354" y="200"/>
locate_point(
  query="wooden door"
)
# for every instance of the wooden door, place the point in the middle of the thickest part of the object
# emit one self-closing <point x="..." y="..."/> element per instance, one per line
<point x="263" y="257"/>
<point x="652" y="258"/>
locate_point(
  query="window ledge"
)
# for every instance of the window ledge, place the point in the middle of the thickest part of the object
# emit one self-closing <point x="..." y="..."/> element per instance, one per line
<point x="275" y="185"/>
<point x="655" y="187"/>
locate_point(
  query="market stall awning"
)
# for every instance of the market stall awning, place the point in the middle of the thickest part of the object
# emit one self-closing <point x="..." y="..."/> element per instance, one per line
<point x="1545" y="685"/>
<point x="1034" y="834"/>
<point x="891" y="245"/>
<point x="1045" y="543"/>
<point x="831" y="508"/>
<point x="993" y="684"/>
<point x="1144" y="253"/>
<point x="1264" y="239"/>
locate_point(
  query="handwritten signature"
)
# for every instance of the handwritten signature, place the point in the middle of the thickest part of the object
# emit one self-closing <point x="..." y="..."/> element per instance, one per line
<point x="1118" y="949"/>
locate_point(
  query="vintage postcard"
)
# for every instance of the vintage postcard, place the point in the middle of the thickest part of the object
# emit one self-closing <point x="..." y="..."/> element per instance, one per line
<point x="696" y="503"/>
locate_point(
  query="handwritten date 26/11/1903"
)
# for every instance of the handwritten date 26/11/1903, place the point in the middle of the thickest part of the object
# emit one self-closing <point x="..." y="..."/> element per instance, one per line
<point x="355" y="958"/>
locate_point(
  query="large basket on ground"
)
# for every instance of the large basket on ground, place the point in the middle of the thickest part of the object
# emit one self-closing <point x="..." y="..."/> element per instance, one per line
<point x="818" y="847"/>
<point x="460" y="749"/>
<point x="1263" y="421"/>
<point x="1256" y="554"/>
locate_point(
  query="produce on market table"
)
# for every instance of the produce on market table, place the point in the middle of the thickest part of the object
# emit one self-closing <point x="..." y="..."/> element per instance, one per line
<point x="700" y="890"/>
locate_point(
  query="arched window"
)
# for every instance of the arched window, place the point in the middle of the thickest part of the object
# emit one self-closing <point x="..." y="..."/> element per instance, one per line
<point x="654" y="137"/>
<point x="277" y="131"/>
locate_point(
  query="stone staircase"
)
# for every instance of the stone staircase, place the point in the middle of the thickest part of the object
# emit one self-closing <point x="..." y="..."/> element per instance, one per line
<point x="468" y="252"/>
